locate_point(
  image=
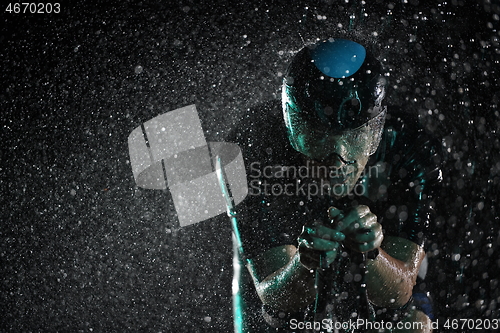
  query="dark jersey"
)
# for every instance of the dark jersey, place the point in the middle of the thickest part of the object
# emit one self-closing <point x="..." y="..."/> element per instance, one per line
<point x="397" y="185"/>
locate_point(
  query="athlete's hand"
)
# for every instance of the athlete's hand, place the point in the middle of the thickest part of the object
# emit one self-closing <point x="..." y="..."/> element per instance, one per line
<point x="318" y="240"/>
<point x="362" y="231"/>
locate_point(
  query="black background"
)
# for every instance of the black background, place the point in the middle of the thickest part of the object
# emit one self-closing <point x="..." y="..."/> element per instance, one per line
<point x="83" y="249"/>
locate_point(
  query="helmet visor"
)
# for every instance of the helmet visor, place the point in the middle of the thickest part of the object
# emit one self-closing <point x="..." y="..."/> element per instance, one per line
<point x="308" y="134"/>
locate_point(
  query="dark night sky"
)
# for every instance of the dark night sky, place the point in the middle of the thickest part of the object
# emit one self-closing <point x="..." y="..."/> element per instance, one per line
<point x="83" y="249"/>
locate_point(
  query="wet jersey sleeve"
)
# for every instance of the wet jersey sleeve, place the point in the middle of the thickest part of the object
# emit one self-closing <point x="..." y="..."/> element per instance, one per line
<point x="412" y="160"/>
<point x="267" y="217"/>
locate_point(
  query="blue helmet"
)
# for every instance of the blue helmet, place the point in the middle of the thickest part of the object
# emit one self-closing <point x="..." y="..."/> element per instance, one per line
<point x="335" y="85"/>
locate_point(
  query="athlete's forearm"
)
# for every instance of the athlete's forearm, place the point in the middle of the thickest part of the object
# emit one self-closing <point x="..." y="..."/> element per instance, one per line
<point x="390" y="281"/>
<point x="290" y="288"/>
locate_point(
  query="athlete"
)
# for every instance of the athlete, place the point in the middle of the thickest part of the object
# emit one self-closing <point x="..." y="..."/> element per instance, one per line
<point x="335" y="221"/>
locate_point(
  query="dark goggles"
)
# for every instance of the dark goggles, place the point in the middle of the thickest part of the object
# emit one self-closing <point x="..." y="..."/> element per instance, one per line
<point x="360" y="141"/>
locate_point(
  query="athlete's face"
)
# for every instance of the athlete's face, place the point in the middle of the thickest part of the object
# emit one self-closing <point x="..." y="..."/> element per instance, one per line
<point x="337" y="158"/>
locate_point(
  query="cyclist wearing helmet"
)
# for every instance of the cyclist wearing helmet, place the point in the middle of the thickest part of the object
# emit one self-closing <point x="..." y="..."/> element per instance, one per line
<point x="344" y="240"/>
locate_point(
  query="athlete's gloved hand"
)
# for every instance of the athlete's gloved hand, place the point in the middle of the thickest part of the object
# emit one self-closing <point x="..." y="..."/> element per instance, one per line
<point x="316" y="240"/>
<point x="362" y="231"/>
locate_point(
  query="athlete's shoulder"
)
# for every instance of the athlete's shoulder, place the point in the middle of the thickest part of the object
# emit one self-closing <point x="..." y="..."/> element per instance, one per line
<point x="409" y="148"/>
